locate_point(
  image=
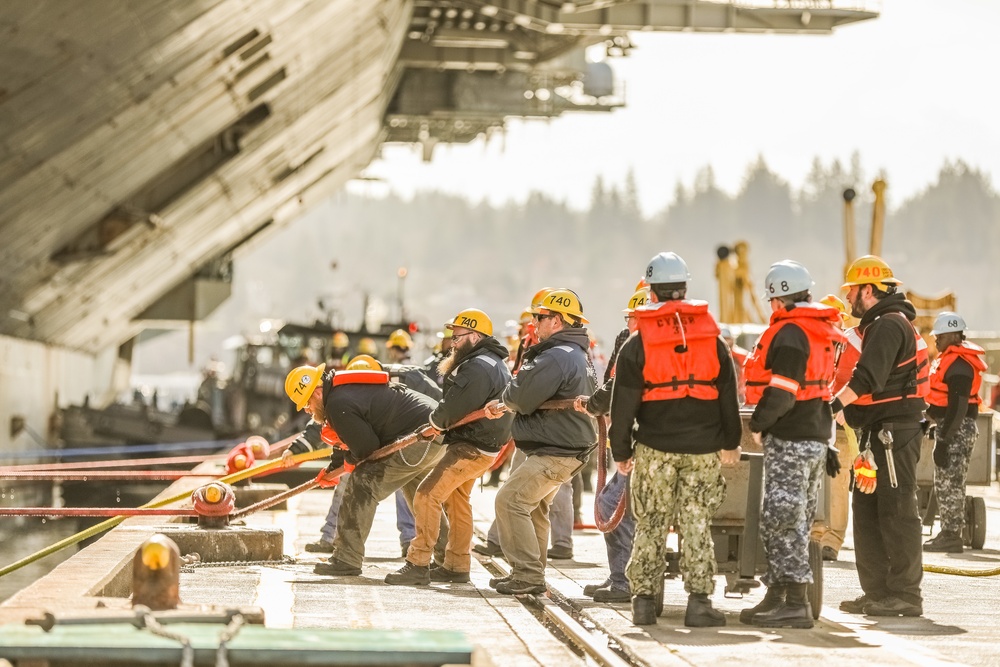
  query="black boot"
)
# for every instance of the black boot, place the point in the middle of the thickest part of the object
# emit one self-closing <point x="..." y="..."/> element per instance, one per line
<point x="795" y="612"/>
<point x="774" y="597"/>
<point x="700" y="613"/>
<point x="643" y="610"/>
<point x="410" y="575"/>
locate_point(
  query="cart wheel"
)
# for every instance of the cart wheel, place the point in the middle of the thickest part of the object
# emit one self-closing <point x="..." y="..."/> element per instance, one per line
<point x="659" y="598"/>
<point x="975" y="522"/>
<point x="816" y="587"/>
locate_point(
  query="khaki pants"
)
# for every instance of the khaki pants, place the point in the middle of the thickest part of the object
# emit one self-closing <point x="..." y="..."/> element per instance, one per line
<point x="830" y="532"/>
<point x="522" y="510"/>
<point x="448" y="487"/>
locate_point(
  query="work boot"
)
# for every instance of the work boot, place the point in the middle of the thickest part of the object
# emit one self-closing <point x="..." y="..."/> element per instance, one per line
<point x="857" y="605"/>
<point x="591" y="589"/>
<point x="518" y="587"/>
<point x="700" y="613"/>
<point x="612" y="595"/>
<point x="337" y="568"/>
<point x="496" y="581"/>
<point x="644" y="610"/>
<point x="410" y="575"/>
<point x="794" y="612"/>
<point x="320" y="546"/>
<point x="773" y="598"/>
<point x="893" y="606"/>
<point x="560" y="553"/>
<point x="488" y="549"/>
<point x="450" y="576"/>
<point x="829" y="553"/>
<point x="946" y="542"/>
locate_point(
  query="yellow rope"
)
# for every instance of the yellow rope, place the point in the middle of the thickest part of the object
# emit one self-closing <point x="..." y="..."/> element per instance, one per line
<point x="961" y="572"/>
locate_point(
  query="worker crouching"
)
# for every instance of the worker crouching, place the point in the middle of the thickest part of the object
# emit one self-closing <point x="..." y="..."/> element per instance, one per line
<point x="474" y="374"/>
<point x="674" y="406"/>
<point x="788" y="377"/>
<point x="368" y="413"/>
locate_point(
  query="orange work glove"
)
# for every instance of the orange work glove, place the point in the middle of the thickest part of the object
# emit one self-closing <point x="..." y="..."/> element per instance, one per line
<point x="865" y="471"/>
<point x="325" y="483"/>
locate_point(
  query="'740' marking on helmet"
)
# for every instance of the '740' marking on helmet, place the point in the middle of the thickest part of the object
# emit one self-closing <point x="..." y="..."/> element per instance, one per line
<point x="469" y="322"/>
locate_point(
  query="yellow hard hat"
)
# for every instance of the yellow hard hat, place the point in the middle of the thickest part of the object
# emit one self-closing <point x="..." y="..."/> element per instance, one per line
<point x="525" y="316"/>
<point x="834" y="301"/>
<point x="364" y="362"/>
<point x="562" y="301"/>
<point x="446" y="332"/>
<point x="367" y="346"/>
<point x="474" y="319"/>
<point x="399" y="338"/>
<point x="539" y="295"/>
<point x="640" y="298"/>
<point x="642" y="284"/>
<point x="869" y="270"/>
<point x="340" y="340"/>
<point x="301" y="382"/>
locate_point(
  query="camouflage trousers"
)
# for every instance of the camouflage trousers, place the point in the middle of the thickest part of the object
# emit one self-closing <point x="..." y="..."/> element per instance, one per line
<point x="689" y="487"/>
<point x="949" y="482"/>
<point x="793" y="471"/>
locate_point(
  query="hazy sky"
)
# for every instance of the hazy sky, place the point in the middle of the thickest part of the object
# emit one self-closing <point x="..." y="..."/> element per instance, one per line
<point x="908" y="90"/>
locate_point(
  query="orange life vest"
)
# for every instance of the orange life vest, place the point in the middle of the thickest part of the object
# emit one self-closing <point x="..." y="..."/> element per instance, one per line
<point x="680" y="340"/>
<point x="847" y="359"/>
<point x="818" y="323"/>
<point x="917" y="369"/>
<point x="360" y="377"/>
<point x="972" y="353"/>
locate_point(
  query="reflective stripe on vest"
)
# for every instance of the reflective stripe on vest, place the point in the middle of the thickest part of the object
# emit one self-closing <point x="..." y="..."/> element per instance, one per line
<point x="680" y="341"/>
<point x="916" y="382"/>
<point x="818" y="323"/>
<point x="360" y="377"/>
<point x="847" y="359"/>
<point x="972" y="353"/>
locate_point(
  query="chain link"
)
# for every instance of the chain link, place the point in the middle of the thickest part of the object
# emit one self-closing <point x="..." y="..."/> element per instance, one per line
<point x="222" y="653"/>
<point x="187" y="651"/>
<point x="285" y="560"/>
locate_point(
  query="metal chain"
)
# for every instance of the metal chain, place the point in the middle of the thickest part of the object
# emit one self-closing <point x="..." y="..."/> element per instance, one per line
<point x="187" y="651"/>
<point x="284" y="560"/>
<point x="402" y="456"/>
<point x="222" y="653"/>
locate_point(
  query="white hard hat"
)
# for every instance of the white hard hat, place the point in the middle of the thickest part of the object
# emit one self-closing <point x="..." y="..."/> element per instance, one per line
<point x="667" y="267"/>
<point x="786" y="277"/>
<point x="948" y="322"/>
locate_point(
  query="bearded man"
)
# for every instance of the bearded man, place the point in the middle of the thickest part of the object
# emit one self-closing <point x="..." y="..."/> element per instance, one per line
<point x="474" y="374"/>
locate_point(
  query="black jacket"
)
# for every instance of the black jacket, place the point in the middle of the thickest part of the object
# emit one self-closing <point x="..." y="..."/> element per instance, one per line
<point x="885" y="343"/>
<point x="414" y="377"/>
<point x="475" y="380"/>
<point x="680" y="426"/>
<point x="553" y="369"/>
<point x="778" y="413"/>
<point x="600" y="402"/>
<point x="958" y="378"/>
<point x="370" y="416"/>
